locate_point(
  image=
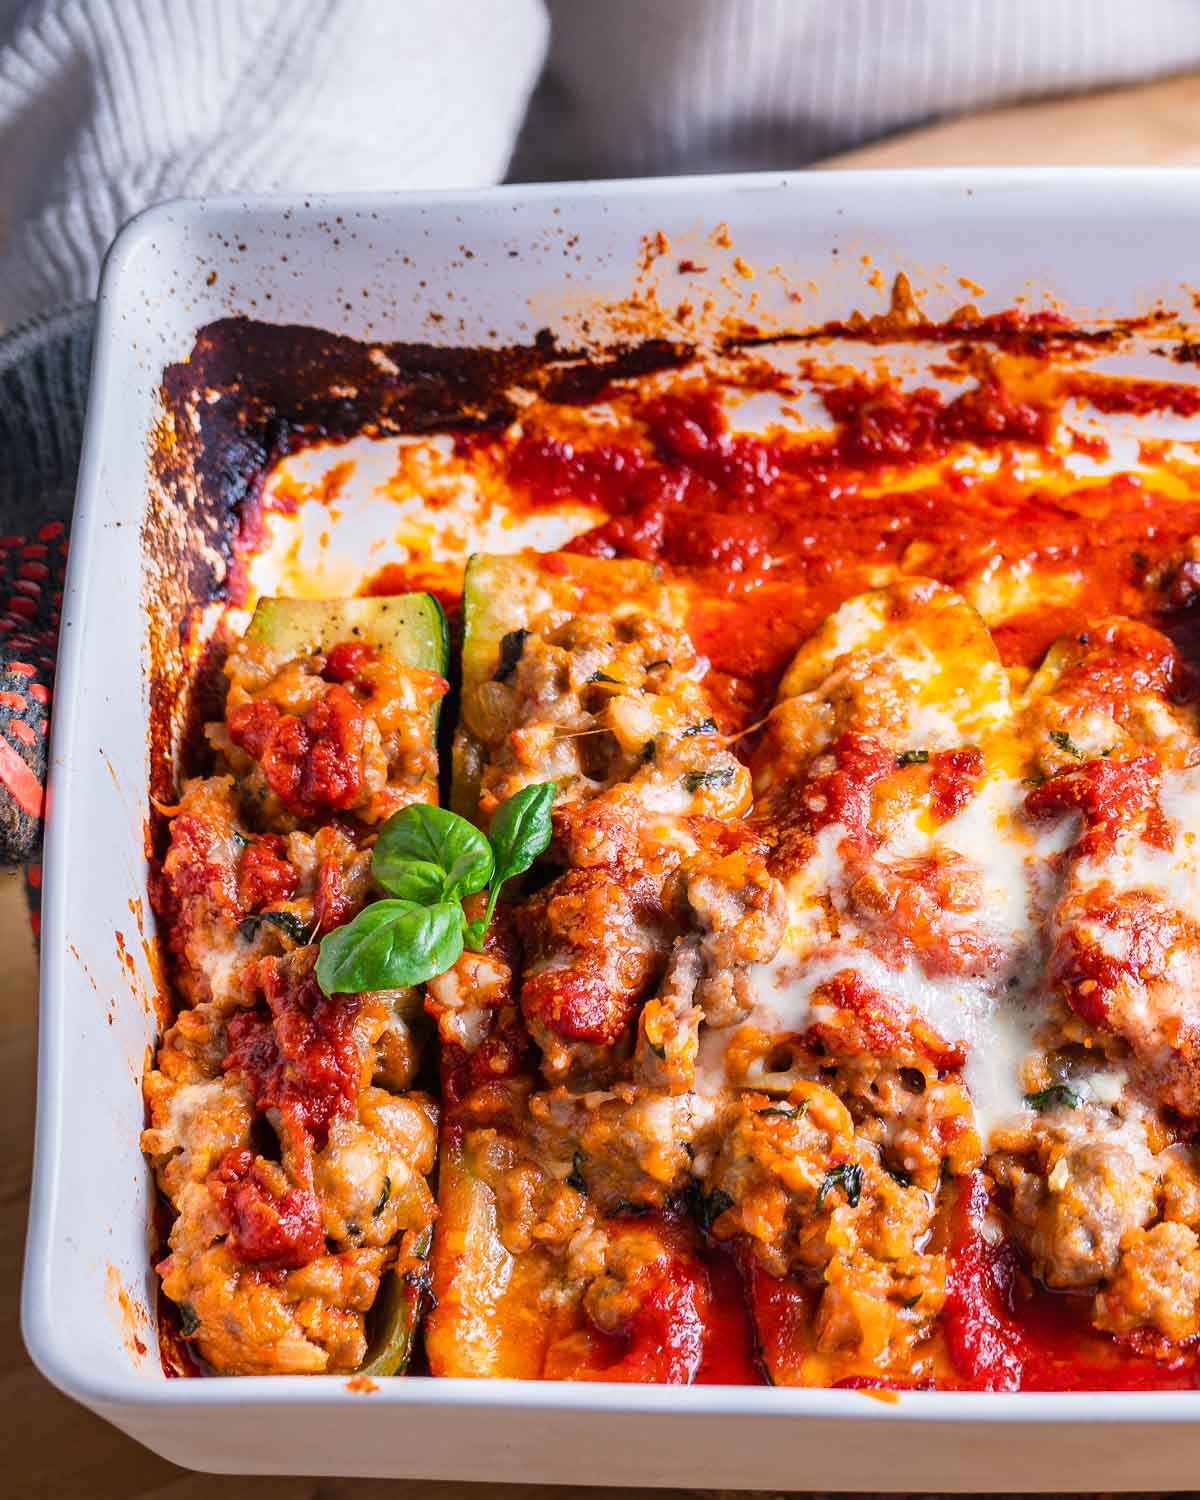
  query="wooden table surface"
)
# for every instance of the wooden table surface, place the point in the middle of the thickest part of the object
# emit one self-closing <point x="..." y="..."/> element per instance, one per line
<point x="49" y="1446"/>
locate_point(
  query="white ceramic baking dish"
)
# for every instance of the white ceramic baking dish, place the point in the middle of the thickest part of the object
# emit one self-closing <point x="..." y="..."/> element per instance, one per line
<point x="1100" y="242"/>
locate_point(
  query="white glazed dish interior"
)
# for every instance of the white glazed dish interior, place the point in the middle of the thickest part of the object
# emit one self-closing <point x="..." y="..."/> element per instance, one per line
<point x="1100" y="243"/>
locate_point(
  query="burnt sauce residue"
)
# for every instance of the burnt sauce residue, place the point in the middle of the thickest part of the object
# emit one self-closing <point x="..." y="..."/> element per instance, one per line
<point x="252" y="392"/>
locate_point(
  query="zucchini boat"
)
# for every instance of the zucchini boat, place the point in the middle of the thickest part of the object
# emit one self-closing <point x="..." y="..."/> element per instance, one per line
<point x="292" y="1144"/>
<point x="501" y="597"/>
<point x="974" y="1028"/>
<point x="577" y="671"/>
<point x="495" y="1312"/>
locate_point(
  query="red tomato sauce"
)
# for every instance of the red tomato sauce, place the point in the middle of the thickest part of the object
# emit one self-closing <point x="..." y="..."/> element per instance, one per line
<point x="277" y="1232"/>
<point x="1137" y="397"/>
<point x="953" y="778"/>
<point x="313" y="761"/>
<point x="783" y="1308"/>
<point x="776" y="530"/>
<point x="298" y="1054"/>
<point x="1110" y="794"/>
<point x="868" y="1021"/>
<point x="1004" y="1333"/>
<point x="730" y="1345"/>
<point x="692" y="1326"/>
<point x="264" y="874"/>
<point x="843" y="795"/>
<point x="664" y="1343"/>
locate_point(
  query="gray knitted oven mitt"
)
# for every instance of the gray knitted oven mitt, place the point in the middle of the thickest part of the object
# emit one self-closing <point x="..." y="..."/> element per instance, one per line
<point x="43" y="394"/>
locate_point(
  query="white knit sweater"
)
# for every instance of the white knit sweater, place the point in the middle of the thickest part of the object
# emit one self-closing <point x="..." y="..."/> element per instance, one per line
<point x="109" y="105"/>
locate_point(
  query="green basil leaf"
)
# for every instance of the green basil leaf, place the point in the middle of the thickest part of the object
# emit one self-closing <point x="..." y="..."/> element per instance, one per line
<point x="1064" y="742"/>
<point x="433" y="839"/>
<point x="390" y="944"/>
<point x="521" y="829"/>
<point x="575" y="1178"/>
<point x="1054" y="1094"/>
<point x="848" y="1176"/>
<point x="287" y="922"/>
<point x="786" y="1111"/>
<point x="416" y="880"/>
<point x="694" y="780"/>
<point x="706" y="1208"/>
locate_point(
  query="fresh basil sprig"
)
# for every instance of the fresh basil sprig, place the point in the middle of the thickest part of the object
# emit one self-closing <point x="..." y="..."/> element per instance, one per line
<point x="430" y="860"/>
<point x="847" y="1175"/>
<point x="520" y="831"/>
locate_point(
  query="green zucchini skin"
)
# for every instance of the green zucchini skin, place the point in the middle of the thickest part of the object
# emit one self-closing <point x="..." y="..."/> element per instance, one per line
<point x="397" y="1313"/>
<point x="412" y="628"/>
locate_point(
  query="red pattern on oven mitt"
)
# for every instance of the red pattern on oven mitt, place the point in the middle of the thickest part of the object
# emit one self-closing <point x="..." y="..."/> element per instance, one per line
<point x="31" y="581"/>
<point x="44" y="369"/>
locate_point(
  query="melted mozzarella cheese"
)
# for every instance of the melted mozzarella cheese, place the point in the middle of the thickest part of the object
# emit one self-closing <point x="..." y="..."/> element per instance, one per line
<point x="1172" y="874"/>
<point x="913" y="655"/>
<point x="190" y="1100"/>
<point x="995" y="1014"/>
<point x="957" y="700"/>
<point x="224" y="960"/>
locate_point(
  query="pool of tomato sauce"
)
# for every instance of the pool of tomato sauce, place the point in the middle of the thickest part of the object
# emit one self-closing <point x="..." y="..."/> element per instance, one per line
<point x="773" y="533"/>
<point x="1004" y="1332"/>
<point x="1001" y="1330"/>
<point x="695" y="1324"/>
